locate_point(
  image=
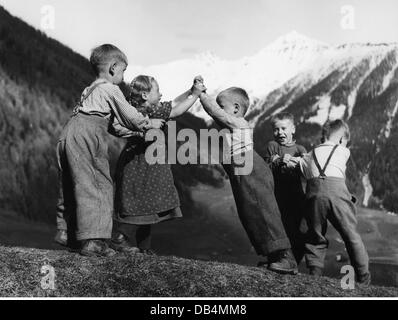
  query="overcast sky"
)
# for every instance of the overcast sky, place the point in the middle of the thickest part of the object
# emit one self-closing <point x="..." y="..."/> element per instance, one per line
<point x="157" y="31"/>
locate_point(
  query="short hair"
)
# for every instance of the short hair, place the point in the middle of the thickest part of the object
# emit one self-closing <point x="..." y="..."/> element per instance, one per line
<point x="103" y="54"/>
<point x="140" y="84"/>
<point x="237" y="94"/>
<point x="282" y="116"/>
<point x="332" y="127"/>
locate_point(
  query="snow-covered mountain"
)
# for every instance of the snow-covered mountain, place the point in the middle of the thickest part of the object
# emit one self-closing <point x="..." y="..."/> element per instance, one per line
<point x="258" y="74"/>
<point x="315" y="82"/>
<point x="355" y="82"/>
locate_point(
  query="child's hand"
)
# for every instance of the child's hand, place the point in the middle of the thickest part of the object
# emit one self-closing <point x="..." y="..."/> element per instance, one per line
<point x="293" y="162"/>
<point x="198" y="79"/>
<point x="275" y="158"/>
<point x="198" y="87"/>
<point x="286" y="158"/>
<point x="155" y="124"/>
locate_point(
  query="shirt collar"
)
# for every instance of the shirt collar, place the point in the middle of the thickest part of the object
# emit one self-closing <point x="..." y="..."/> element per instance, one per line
<point x="291" y="144"/>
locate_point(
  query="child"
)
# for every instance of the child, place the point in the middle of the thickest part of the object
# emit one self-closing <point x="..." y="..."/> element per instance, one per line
<point x="253" y="191"/>
<point x="282" y="157"/>
<point x="85" y="206"/>
<point x="145" y="193"/>
<point x="328" y="199"/>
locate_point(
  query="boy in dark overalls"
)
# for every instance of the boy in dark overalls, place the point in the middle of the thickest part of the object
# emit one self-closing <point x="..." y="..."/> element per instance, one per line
<point x="251" y="181"/>
<point x="328" y="199"/>
<point x="282" y="155"/>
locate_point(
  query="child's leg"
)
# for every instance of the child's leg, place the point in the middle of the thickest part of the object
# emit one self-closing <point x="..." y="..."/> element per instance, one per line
<point x="66" y="206"/>
<point x="62" y="187"/>
<point x="142" y="233"/>
<point x="316" y="243"/>
<point x="344" y="221"/>
<point x="258" y="210"/>
<point x="143" y="237"/>
<point x="290" y="205"/>
<point x="125" y="228"/>
<point x="87" y="154"/>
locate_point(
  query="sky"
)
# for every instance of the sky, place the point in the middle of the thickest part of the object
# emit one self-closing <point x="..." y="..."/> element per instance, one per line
<point x="157" y="31"/>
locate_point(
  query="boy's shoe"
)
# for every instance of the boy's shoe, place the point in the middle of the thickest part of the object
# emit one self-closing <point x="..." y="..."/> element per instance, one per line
<point x="283" y="262"/>
<point x="61" y="238"/>
<point x="261" y="264"/>
<point x="148" y="252"/>
<point x="364" y="279"/>
<point x="120" y="243"/>
<point x="96" y="248"/>
<point x="315" y="271"/>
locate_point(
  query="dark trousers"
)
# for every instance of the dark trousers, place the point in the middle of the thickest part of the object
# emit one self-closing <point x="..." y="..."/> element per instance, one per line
<point x="85" y="204"/>
<point x="329" y="200"/>
<point x="141" y="233"/>
<point x="257" y="207"/>
<point x="291" y="201"/>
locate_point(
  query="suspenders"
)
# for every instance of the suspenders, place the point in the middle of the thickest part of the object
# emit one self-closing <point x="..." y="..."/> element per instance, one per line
<point x="89" y="92"/>
<point x="322" y="174"/>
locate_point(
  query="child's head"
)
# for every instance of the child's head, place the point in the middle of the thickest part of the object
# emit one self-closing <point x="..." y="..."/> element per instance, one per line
<point x="234" y="101"/>
<point x="145" y="90"/>
<point x="109" y="62"/>
<point x="283" y="128"/>
<point x="336" y="131"/>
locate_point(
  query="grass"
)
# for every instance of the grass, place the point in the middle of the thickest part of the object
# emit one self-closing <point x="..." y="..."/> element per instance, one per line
<point x="148" y="276"/>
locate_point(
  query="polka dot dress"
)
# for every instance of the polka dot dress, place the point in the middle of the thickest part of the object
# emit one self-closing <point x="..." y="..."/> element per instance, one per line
<point x="145" y="193"/>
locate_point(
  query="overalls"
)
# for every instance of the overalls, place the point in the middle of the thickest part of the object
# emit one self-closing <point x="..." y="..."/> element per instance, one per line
<point x="328" y="199"/>
<point x="85" y="203"/>
<point x="257" y="207"/>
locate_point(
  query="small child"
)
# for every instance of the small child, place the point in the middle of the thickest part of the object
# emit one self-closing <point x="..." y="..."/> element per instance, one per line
<point x="253" y="191"/>
<point x="145" y="193"/>
<point x="328" y="199"/>
<point x="282" y="155"/>
<point x="85" y="205"/>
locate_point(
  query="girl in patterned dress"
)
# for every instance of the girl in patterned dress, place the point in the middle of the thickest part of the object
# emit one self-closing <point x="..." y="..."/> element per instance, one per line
<point x="145" y="193"/>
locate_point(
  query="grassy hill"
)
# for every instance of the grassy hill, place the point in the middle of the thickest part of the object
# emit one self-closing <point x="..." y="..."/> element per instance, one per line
<point x="148" y="276"/>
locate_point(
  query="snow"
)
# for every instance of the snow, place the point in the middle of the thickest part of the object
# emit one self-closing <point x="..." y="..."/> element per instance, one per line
<point x="259" y="74"/>
<point x="388" y="77"/>
<point x="337" y="112"/>
<point x="375" y="59"/>
<point x="322" y="115"/>
<point x="292" y="56"/>
<point x="388" y="127"/>
<point x="368" y="189"/>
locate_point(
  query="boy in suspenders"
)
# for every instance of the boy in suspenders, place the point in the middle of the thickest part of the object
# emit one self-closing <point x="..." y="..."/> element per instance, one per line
<point x="328" y="199"/>
<point x="85" y="203"/>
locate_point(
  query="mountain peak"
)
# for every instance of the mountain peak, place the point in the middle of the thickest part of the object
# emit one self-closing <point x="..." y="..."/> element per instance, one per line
<point x="296" y="39"/>
<point x="207" y="56"/>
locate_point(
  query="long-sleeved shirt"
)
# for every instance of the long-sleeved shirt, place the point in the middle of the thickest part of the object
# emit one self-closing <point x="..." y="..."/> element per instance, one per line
<point x="160" y="111"/>
<point x="287" y="180"/>
<point x="108" y="101"/>
<point x="239" y="138"/>
<point x="275" y="149"/>
<point x="336" y="167"/>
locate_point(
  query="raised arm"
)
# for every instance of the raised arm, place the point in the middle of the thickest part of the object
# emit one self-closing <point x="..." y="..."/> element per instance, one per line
<point x="218" y="114"/>
<point x="182" y="103"/>
<point x="186" y="100"/>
